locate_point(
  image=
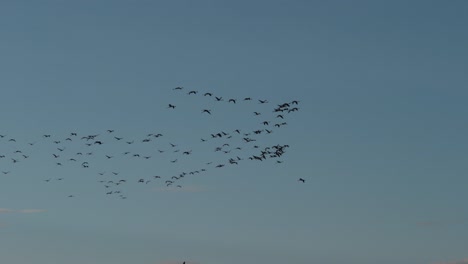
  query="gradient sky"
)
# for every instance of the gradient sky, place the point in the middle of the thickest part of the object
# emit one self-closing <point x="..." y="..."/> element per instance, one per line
<point x="380" y="136"/>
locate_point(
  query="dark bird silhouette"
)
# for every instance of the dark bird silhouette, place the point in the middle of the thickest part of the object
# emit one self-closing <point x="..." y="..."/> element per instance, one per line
<point x="232" y="101"/>
<point x="247" y="99"/>
<point x="208" y="94"/>
<point x="192" y="92"/>
<point x="257" y="113"/>
<point x="219" y="98"/>
<point x="263" y="101"/>
<point x="178" y="88"/>
<point x="302" y="180"/>
<point x="171" y="106"/>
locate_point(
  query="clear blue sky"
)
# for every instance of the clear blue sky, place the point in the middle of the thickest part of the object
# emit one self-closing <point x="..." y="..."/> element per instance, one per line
<point x="380" y="136"/>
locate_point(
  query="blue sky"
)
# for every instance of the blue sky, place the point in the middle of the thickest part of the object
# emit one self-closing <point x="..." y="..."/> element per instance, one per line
<point x="380" y="136"/>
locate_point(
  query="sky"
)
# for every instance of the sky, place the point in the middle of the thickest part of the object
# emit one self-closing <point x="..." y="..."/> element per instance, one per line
<point x="379" y="138"/>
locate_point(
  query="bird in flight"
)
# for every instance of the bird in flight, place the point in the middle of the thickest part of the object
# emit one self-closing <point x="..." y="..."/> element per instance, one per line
<point x="302" y="180"/>
<point x="206" y="111"/>
<point x="171" y="106"/>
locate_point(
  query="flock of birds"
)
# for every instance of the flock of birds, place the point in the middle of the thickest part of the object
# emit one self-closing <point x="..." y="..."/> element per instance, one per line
<point x="232" y="147"/>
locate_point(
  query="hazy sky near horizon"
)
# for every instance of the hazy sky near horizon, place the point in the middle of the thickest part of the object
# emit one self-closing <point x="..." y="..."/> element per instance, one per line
<point x="380" y="136"/>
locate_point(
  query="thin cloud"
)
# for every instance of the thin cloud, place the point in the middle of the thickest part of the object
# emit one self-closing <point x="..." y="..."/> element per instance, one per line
<point x="31" y="211"/>
<point x="463" y="261"/>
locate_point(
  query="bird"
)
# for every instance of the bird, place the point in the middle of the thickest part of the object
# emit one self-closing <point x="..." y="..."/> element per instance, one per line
<point x="302" y="180"/>
<point x="219" y="98"/>
<point x="171" y="106"/>
<point x="208" y="94"/>
<point x="206" y="111"/>
<point x="178" y="88"/>
<point x="192" y="92"/>
<point x="232" y="101"/>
